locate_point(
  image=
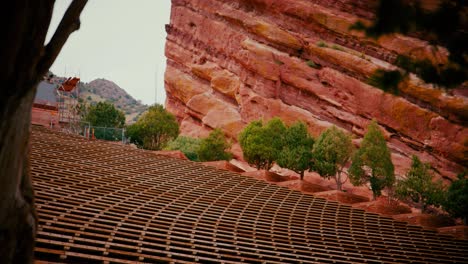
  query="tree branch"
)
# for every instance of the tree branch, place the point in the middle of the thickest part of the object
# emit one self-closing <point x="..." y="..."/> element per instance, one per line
<point x="70" y="22"/>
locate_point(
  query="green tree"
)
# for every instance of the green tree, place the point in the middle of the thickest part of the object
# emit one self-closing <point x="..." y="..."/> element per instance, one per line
<point x="419" y="187"/>
<point x="456" y="202"/>
<point x="372" y="162"/>
<point x="188" y="145"/>
<point x="105" y="115"/>
<point x="105" y="118"/>
<point x="154" y="129"/>
<point x="214" y="147"/>
<point x="330" y="153"/>
<point x="261" y="144"/>
<point x="296" y="153"/>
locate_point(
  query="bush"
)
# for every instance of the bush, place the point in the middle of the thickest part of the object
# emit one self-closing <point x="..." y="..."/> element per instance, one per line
<point x="456" y="202"/>
<point x="154" y="129"/>
<point x="372" y="162"/>
<point x="387" y="81"/>
<point x="214" y="147"/>
<point x="337" y="47"/>
<point x="189" y="146"/>
<point x="261" y="144"/>
<point x="296" y="153"/>
<point x="418" y="186"/>
<point x="322" y="44"/>
<point x="331" y="152"/>
<point x="312" y="64"/>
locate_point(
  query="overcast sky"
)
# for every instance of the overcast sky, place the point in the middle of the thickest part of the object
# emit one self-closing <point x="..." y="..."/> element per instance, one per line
<point x="119" y="40"/>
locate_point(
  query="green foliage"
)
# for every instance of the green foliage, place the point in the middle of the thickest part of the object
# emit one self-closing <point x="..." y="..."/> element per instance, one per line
<point x="337" y="47"/>
<point x="154" y="129"/>
<point x="444" y="26"/>
<point x="322" y="44"/>
<point x="359" y="26"/>
<point x="89" y="98"/>
<point x="261" y="144"/>
<point x="278" y="62"/>
<point x="456" y="203"/>
<point x="312" y="64"/>
<point x="372" y="162"/>
<point x="296" y="153"/>
<point x="105" y="115"/>
<point x="188" y="145"/>
<point x="386" y="80"/>
<point x="331" y="151"/>
<point x="214" y="147"/>
<point x="418" y="186"/>
<point x="445" y="75"/>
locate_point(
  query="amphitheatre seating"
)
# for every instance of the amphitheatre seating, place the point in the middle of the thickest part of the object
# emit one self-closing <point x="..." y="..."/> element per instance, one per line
<point x="103" y="202"/>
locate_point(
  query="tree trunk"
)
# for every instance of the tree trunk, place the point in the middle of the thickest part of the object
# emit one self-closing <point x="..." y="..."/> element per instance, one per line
<point x="23" y="61"/>
<point x="338" y="181"/>
<point x="302" y="175"/>
<point x="17" y="218"/>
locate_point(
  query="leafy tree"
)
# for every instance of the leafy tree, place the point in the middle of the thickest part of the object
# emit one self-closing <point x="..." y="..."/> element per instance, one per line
<point x="154" y="129"/>
<point x="104" y="114"/>
<point x="372" y="162"/>
<point x="418" y="185"/>
<point x="261" y="144"/>
<point x="105" y="117"/>
<point x="297" y="149"/>
<point x="188" y="145"/>
<point x="214" y="147"/>
<point x="330" y="153"/>
<point x="456" y="202"/>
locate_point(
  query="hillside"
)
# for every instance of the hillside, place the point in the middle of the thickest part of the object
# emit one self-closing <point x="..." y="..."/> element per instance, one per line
<point x="104" y="90"/>
<point x="299" y="60"/>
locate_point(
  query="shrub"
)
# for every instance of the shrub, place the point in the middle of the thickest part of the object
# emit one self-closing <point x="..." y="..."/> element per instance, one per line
<point x="322" y="44"/>
<point x="188" y="145"/>
<point x="154" y="129"/>
<point x="337" y="47"/>
<point x="261" y="144"/>
<point x="418" y="186"/>
<point x="456" y="202"/>
<point x="214" y="147"/>
<point x="312" y="64"/>
<point x="296" y="153"/>
<point x="330" y="153"/>
<point x="387" y="81"/>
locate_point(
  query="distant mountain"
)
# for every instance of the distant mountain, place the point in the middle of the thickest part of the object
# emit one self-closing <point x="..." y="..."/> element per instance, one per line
<point x="100" y="90"/>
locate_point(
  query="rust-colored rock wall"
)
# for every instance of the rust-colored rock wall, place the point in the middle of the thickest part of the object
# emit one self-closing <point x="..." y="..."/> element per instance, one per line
<point x="231" y="62"/>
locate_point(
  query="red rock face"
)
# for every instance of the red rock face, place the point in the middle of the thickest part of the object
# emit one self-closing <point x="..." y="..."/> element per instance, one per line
<point x="231" y="62"/>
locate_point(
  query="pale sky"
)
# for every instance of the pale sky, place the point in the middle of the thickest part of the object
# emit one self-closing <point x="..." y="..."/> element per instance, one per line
<point x="119" y="40"/>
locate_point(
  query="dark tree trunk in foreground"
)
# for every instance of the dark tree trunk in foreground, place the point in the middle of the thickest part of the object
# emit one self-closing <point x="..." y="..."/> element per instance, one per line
<point x="23" y="61"/>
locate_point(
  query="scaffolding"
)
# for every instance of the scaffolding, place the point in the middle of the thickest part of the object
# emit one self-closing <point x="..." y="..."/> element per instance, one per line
<point x="68" y="106"/>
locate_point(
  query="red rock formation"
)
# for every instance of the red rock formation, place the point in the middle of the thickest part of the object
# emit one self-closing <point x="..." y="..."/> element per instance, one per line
<point x="231" y="62"/>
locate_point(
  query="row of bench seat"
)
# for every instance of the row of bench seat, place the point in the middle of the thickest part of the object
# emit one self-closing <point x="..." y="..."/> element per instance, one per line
<point x="103" y="202"/>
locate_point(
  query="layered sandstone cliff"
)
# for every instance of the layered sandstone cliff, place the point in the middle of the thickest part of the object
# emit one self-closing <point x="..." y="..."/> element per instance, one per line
<point x="231" y="62"/>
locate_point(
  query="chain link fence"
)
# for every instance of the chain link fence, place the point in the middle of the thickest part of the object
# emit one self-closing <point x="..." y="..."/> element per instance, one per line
<point x="104" y="133"/>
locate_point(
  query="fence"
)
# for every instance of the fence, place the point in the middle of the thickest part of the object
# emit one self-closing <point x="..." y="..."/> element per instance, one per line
<point x="105" y="133"/>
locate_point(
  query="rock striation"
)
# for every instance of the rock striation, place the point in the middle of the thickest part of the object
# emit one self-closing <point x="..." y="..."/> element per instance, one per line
<point x="231" y="62"/>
